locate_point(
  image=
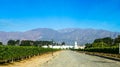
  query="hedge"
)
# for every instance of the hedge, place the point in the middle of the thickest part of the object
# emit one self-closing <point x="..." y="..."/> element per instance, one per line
<point x="12" y="53"/>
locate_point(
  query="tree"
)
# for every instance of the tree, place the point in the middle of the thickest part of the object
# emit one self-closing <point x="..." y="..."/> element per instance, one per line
<point x="88" y="45"/>
<point x="17" y="42"/>
<point x="108" y="40"/>
<point x="63" y="43"/>
<point x="27" y="43"/>
<point x="1" y="43"/>
<point x="117" y="40"/>
<point x="11" y="42"/>
<point x="105" y="42"/>
<point x="97" y="40"/>
<point x="100" y="44"/>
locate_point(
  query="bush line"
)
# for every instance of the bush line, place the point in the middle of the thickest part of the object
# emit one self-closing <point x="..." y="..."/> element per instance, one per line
<point x="13" y="53"/>
<point x="112" y="50"/>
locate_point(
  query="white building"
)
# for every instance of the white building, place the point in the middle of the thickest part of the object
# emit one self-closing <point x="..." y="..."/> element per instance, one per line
<point x="76" y="46"/>
<point x="58" y="47"/>
<point x="65" y="46"/>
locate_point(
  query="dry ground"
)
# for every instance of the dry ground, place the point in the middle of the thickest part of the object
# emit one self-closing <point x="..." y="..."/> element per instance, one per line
<point x="75" y="59"/>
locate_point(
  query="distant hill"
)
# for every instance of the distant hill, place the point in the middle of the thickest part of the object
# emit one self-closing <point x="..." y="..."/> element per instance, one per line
<point x="68" y="35"/>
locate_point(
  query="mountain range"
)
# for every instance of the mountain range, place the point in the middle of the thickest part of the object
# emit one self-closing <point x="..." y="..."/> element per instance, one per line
<point x="68" y="35"/>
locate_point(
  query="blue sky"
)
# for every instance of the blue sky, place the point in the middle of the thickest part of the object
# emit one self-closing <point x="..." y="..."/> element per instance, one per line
<point x="22" y="15"/>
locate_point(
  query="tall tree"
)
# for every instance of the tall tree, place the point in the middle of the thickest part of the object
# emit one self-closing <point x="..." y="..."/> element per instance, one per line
<point x="117" y="40"/>
<point x="11" y="42"/>
<point x="27" y="43"/>
<point x="100" y="44"/>
<point x="88" y="45"/>
<point x="17" y="42"/>
<point x="108" y="40"/>
<point x="1" y="43"/>
<point x="63" y="43"/>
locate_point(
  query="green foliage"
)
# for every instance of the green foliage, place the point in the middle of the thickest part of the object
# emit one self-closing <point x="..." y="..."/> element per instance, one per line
<point x="108" y="40"/>
<point x="13" y="42"/>
<point x="63" y="43"/>
<point x="114" y="50"/>
<point x="117" y="40"/>
<point x="8" y="53"/>
<point x="35" y="43"/>
<point x="97" y="40"/>
<point x="105" y="45"/>
<point x="26" y="43"/>
<point x="100" y="44"/>
<point x="104" y="42"/>
<point x="1" y="43"/>
<point x="32" y="43"/>
<point x="88" y="45"/>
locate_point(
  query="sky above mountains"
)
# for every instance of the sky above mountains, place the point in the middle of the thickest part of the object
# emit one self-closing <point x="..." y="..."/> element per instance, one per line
<point x="22" y="15"/>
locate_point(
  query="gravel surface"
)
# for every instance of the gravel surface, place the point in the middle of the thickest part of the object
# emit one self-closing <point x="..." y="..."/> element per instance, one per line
<point x="73" y="59"/>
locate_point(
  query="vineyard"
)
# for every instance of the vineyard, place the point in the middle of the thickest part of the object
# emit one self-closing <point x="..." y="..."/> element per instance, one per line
<point x="103" y="45"/>
<point x="112" y="50"/>
<point x="14" y="53"/>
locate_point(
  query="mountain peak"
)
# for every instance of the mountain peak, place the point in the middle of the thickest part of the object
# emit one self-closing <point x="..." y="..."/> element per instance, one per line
<point x="68" y="35"/>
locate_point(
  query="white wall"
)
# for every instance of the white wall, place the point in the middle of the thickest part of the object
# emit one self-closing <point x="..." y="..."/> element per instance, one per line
<point x="58" y="47"/>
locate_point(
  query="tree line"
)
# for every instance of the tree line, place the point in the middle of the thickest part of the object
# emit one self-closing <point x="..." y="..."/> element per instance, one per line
<point x="103" y="45"/>
<point x="31" y="43"/>
<point x="104" y="42"/>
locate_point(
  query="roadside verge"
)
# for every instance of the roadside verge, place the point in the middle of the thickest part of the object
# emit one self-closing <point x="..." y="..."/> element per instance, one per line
<point x="115" y="57"/>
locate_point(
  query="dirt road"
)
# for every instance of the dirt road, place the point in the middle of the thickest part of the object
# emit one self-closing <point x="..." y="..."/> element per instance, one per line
<point x="74" y="59"/>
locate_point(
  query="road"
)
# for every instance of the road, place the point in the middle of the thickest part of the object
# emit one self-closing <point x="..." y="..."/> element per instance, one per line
<point x="74" y="59"/>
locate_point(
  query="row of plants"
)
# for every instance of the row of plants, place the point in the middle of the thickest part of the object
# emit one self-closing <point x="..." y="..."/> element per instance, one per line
<point x="13" y="53"/>
<point x="103" y="45"/>
<point x="112" y="50"/>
